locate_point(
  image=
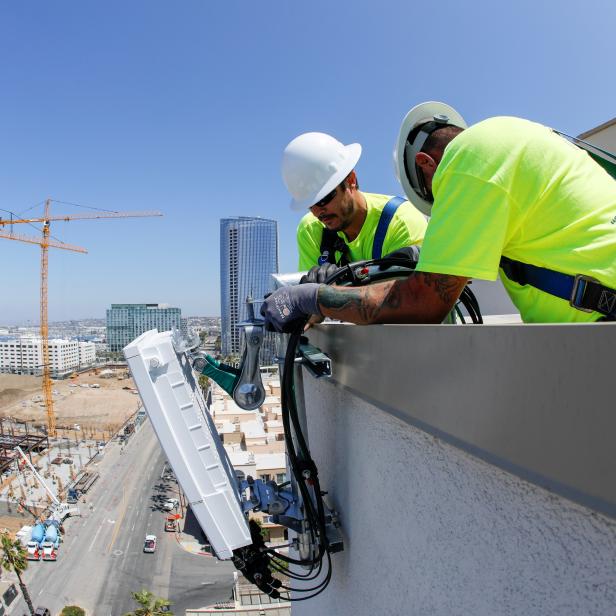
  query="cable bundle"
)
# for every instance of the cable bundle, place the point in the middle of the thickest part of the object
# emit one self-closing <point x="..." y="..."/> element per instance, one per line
<point x="257" y="561"/>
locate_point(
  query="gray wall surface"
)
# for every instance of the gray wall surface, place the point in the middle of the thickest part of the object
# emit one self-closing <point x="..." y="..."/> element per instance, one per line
<point x="430" y="529"/>
<point x="426" y="438"/>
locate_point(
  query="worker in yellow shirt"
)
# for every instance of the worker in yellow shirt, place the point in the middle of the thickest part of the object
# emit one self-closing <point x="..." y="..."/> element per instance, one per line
<point x="505" y="193"/>
<point x="342" y="223"/>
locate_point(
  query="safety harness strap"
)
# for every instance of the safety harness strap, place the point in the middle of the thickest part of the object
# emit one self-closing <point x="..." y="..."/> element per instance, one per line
<point x="381" y="231"/>
<point x="331" y="243"/>
<point x="582" y="292"/>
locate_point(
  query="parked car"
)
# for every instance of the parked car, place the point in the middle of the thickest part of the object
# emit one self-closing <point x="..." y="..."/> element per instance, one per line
<point x="42" y="611"/>
<point x="171" y="504"/>
<point x="149" y="544"/>
<point x="67" y="461"/>
<point x="57" y="460"/>
<point x="170" y="525"/>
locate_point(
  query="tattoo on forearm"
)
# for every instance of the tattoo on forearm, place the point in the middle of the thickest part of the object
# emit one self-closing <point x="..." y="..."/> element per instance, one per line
<point x="339" y="300"/>
<point x="447" y="287"/>
<point x="423" y="298"/>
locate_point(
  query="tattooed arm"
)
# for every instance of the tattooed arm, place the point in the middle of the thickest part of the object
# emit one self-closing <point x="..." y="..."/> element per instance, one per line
<point x="421" y="298"/>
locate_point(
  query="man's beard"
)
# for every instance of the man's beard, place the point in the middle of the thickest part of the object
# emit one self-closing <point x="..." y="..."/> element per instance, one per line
<point x="346" y="216"/>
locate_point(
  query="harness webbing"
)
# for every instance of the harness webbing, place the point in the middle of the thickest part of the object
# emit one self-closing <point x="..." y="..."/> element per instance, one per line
<point x="582" y="292"/>
<point x="381" y="231"/>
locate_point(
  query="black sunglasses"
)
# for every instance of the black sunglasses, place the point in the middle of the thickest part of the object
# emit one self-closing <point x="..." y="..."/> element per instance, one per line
<point x="326" y="199"/>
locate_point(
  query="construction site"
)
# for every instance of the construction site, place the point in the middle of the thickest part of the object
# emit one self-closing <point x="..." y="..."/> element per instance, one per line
<point x="90" y="410"/>
<point x="43" y="418"/>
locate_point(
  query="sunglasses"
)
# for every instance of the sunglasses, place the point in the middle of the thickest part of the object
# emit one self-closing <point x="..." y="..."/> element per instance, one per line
<point x="326" y="199"/>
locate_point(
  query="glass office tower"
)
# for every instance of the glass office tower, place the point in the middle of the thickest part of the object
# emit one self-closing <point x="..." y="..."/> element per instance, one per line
<point x="127" y="321"/>
<point x="248" y="257"/>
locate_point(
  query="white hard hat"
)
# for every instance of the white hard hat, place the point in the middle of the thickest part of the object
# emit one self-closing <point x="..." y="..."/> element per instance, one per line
<point x="313" y="164"/>
<point x="404" y="152"/>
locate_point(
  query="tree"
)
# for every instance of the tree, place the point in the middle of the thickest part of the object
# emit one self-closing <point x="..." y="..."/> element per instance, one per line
<point x="73" y="610"/>
<point x="14" y="559"/>
<point x="149" y="605"/>
<point x="204" y="382"/>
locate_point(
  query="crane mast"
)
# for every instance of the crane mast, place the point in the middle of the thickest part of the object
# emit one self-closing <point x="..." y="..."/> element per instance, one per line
<point x="51" y="416"/>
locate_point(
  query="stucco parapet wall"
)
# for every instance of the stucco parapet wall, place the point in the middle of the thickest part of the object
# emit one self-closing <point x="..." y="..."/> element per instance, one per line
<point x="536" y="400"/>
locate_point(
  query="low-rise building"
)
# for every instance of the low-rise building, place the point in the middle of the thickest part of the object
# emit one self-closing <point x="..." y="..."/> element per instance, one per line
<point x="25" y="356"/>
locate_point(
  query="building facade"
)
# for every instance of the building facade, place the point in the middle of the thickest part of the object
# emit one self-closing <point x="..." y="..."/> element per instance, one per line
<point x="25" y="356"/>
<point x="125" y="322"/>
<point x="248" y="258"/>
<point x="603" y="136"/>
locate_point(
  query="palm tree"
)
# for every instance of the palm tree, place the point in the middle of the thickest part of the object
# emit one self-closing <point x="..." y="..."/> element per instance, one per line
<point x="149" y="605"/>
<point x="14" y="559"/>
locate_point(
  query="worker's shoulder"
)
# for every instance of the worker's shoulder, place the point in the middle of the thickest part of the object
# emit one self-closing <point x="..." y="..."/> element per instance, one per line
<point x="499" y="129"/>
<point x="309" y="225"/>
<point x="406" y="210"/>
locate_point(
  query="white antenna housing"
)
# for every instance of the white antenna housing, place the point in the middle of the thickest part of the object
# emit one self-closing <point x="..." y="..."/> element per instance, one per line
<point x="180" y="417"/>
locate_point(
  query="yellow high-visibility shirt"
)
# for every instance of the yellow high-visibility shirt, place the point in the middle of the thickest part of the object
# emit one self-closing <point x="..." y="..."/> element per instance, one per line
<point x="407" y="227"/>
<point x="511" y="187"/>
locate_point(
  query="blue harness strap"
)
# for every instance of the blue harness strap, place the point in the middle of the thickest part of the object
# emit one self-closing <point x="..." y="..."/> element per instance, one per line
<point x="381" y="231"/>
<point x="582" y="292"/>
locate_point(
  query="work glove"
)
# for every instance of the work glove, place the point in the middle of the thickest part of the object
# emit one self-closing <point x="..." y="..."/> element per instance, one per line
<point x="408" y="253"/>
<point x="286" y="309"/>
<point x="319" y="273"/>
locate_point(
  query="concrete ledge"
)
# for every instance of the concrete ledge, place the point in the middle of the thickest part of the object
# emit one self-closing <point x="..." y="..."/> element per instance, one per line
<point x="536" y="400"/>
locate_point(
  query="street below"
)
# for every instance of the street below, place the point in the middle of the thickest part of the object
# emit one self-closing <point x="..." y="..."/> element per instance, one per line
<point x="101" y="560"/>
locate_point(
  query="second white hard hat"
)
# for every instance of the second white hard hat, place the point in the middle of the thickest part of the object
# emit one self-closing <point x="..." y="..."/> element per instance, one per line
<point x="313" y="164"/>
<point x="404" y="152"/>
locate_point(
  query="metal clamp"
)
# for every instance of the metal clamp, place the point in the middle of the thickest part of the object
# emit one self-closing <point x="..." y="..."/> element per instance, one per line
<point x="577" y="292"/>
<point x="314" y="359"/>
<point x="249" y="392"/>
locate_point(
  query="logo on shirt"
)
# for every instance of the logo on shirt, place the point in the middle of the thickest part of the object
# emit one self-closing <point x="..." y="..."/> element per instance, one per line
<point x="613" y="221"/>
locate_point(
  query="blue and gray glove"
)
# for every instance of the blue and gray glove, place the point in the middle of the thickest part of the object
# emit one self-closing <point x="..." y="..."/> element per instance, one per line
<point x="286" y="309"/>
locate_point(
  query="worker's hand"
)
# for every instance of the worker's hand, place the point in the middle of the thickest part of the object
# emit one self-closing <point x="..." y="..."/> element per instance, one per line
<point x="319" y="273"/>
<point x="407" y="253"/>
<point x="288" y="308"/>
<point x="315" y="319"/>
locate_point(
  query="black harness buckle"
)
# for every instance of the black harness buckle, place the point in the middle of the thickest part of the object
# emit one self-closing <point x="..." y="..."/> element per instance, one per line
<point x="578" y="292"/>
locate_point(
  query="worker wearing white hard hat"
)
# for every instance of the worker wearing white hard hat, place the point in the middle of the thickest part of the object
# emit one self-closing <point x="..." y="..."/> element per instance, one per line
<point x="341" y="222"/>
<point x="504" y="195"/>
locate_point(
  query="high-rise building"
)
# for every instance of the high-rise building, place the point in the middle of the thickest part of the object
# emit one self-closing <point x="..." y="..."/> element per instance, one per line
<point x="248" y="258"/>
<point x="127" y="321"/>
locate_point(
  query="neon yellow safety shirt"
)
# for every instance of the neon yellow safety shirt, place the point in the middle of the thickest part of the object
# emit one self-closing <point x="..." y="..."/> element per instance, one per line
<point x="511" y="187"/>
<point x="407" y="227"/>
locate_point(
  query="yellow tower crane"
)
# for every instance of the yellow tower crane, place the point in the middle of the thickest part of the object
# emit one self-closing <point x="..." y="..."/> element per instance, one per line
<point x="45" y="242"/>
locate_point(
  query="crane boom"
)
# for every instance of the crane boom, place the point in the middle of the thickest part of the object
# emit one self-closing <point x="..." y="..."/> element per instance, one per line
<point x="92" y="216"/>
<point x="53" y="497"/>
<point x="37" y="240"/>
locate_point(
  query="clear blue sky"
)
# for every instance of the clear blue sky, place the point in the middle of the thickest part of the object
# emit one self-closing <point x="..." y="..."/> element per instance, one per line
<point x="186" y="107"/>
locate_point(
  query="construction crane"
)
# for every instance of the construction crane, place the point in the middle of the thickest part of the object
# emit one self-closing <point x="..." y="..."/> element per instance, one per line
<point x="45" y="242"/>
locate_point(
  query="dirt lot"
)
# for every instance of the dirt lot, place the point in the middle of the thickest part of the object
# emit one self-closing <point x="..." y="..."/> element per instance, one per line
<point x="104" y="408"/>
